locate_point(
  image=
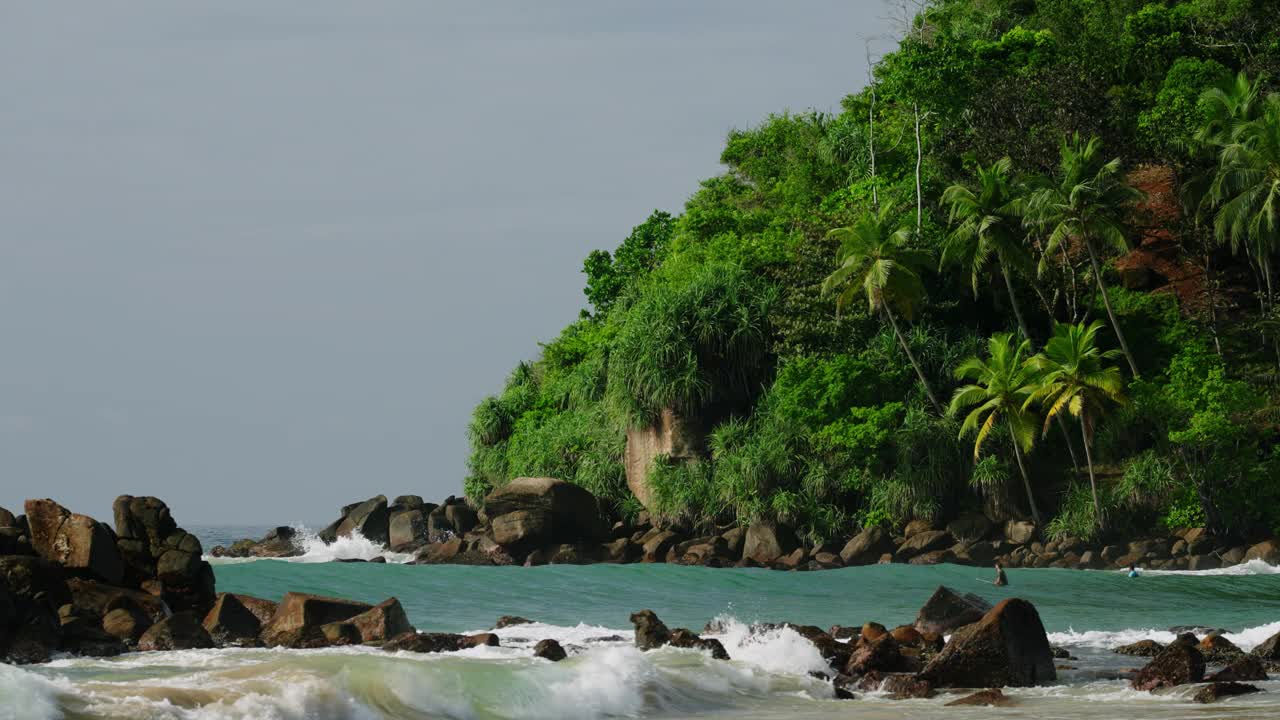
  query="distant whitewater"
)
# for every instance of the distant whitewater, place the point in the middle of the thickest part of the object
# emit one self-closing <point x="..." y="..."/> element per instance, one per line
<point x="314" y="550"/>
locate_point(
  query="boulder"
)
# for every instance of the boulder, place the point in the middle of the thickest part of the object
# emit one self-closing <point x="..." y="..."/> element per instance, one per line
<point x="229" y="622"/>
<point x="904" y="686"/>
<point x="1019" y="532"/>
<point x="970" y="527"/>
<point x="1216" y="691"/>
<point x="77" y="542"/>
<point x="381" y="622"/>
<point x="181" y="631"/>
<point x="299" y="617"/>
<point x="1268" y="551"/>
<point x="32" y="590"/>
<point x="1233" y="556"/>
<point x="922" y="543"/>
<point x="683" y="638"/>
<point x="90" y="598"/>
<point x="947" y="610"/>
<point x="461" y="517"/>
<point x="1008" y="647"/>
<point x="881" y="655"/>
<point x="672" y="436"/>
<point x="1269" y="649"/>
<point x="548" y="511"/>
<point x="1203" y="562"/>
<point x="159" y="555"/>
<point x="7" y="519"/>
<point x="1244" y="669"/>
<point x="439" y="553"/>
<point x="651" y="632"/>
<point x="549" y="650"/>
<point x="370" y="519"/>
<point x="734" y="539"/>
<point x="407" y="528"/>
<point x="618" y="551"/>
<point x="438" y="642"/>
<point x="408" y="502"/>
<point x="915" y="527"/>
<point x="277" y="543"/>
<point x="983" y="698"/>
<point x="766" y="542"/>
<point x="867" y="547"/>
<point x="125" y="624"/>
<point x="655" y="548"/>
<point x="1178" y="664"/>
<point x="510" y="620"/>
<point x="1218" y="649"/>
<point x="1142" y="648"/>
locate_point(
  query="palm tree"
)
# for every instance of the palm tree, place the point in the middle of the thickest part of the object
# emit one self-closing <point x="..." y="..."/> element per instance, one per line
<point x="1075" y="377"/>
<point x="1000" y="389"/>
<point x="988" y="226"/>
<point x="874" y="257"/>
<point x="1227" y="106"/>
<point x="1087" y="200"/>
<point x="1246" y="188"/>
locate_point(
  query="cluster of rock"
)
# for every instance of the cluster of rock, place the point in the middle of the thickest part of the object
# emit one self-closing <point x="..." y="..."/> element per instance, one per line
<point x="71" y="583"/>
<point x="537" y="521"/>
<point x="1185" y="661"/>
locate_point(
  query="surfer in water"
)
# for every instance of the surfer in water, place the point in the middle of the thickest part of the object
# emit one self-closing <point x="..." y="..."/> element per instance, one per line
<point x="1133" y="570"/>
<point x="1001" y="580"/>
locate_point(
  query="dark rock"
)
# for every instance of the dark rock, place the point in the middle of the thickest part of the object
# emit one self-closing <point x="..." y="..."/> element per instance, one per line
<point x="1234" y="556"/>
<point x="947" y="610"/>
<point x="867" y="547"/>
<point x="904" y="686"/>
<point x="125" y="624"/>
<point x="734" y="539"/>
<point x="509" y="620"/>
<point x="181" y="631"/>
<point x="767" y="542"/>
<point x="983" y="698"/>
<point x="93" y="599"/>
<point x="934" y="557"/>
<point x="881" y="654"/>
<point x="915" y="527"/>
<point x="7" y="519"/>
<point x="1218" y="649"/>
<point x="794" y="561"/>
<point x="480" y="640"/>
<point x="300" y="616"/>
<point x="406" y="529"/>
<point x="1269" y="649"/>
<point x="1142" y="648"/>
<point x="921" y="543"/>
<point x="1244" y="669"/>
<point x="229" y="622"/>
<point x="1216" y="691"/>
<point x="1178" y="664"/>
<point x="835" y="653"/>
<point x="549" y="650"/>
<point x="655" y="549"/>
<point x="682" y="638"/>
<point x="546" y="510"/>
<point x="618" y="551"/>
<point x="1203" y="562"/>
<point x="370" y="519"/>
<point x="1008" y="647"/>
<point x="1019" y="532"/>
<point x="427" y="643"/>
<point x="1267" y="551"/>
<point x="159" y="555"/>
<point x="461" y="517"/>
<point x="409" y="502"/>
<point x="77" y="542"/>
<point x="970" y="527"/>
<point x="651" y="632"/>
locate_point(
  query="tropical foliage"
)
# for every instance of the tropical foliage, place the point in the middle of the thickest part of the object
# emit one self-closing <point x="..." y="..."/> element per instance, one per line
<point x="1064" y="215"/>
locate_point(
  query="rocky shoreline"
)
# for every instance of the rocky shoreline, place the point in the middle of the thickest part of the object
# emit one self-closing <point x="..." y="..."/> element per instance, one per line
<point x="540" y="521"/>
<point x="70" y="584"/>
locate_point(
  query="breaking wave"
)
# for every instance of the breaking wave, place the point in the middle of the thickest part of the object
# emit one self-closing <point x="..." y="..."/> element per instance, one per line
<point x="315" y="550"/>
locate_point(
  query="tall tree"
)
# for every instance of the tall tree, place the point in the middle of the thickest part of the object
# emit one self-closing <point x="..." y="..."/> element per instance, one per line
<point x="1000" y="389"/>
<point x="1087" y="200"/>
<point x="988" y="230"/>
<point x="1076" y="378"/>
<point x="875" y="258"/>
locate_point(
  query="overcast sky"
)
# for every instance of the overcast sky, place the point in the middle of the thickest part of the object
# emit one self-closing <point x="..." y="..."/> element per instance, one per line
<point x="261" y="258"/>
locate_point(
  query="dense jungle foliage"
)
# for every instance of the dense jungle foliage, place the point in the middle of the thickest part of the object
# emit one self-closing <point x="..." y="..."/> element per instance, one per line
<point x="1025" y="270"/>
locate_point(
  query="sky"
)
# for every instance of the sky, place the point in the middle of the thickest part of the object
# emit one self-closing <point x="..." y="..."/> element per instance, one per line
<point x="260" y="259"/>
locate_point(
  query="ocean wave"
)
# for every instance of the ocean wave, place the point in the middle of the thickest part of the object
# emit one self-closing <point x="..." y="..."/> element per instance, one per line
<point x="315" y="550"/>
<point x="27" y="696"/>
<point x="1246" y="639"/>
<point x="1253" y="567"/>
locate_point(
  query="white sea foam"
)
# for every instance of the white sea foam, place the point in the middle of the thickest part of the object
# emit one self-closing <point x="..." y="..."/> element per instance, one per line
<point x="779" y="650"/>
<point x="1253" y="567"/>
<point x="1246" y="639"/>
<point x="27" y="696"/>
<point x="315" y="550"/>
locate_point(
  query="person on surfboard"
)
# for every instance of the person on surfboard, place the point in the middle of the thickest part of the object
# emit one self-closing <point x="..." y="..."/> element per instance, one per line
<point x="1001" y="580"/>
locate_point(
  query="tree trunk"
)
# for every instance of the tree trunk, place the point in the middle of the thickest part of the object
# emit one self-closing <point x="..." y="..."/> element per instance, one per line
<point x="1013" y="301"/>
<point x="1106" y="300"/>
<point x="871" y="134"/>
<point x="1093" y="483"/>
<point x="919" y="164"/>
<point x="1026" y="482"/>
<point x="911" y="356"/>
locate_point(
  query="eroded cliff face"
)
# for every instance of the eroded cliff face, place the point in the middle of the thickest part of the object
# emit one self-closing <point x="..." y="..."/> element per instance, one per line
<point x="673" y="435"/>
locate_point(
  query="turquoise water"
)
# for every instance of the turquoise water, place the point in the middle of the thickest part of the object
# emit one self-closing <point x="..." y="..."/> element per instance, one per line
<point x="586" y="608"/>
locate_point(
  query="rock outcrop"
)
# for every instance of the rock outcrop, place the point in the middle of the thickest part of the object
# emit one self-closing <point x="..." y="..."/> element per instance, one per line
<point x="78" y="543"/>
<point x="161" y="557"/>
<point x="531" y="512"/>
<point x="947" y="610"/>
<point x="1008" y="647"/>
<point x="1178" y="664"/>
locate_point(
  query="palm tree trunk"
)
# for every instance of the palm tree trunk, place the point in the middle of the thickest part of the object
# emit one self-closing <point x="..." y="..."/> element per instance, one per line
<point x="911" y="356"/>
<point x="1026" y="482"/>
<point x="1093" y="482"/>
<point x="1022" y="325"/>
<point x="1106" y="300"/>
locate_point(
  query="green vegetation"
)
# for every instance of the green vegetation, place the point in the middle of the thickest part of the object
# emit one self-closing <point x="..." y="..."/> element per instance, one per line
<point x="1062" y="214"/>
